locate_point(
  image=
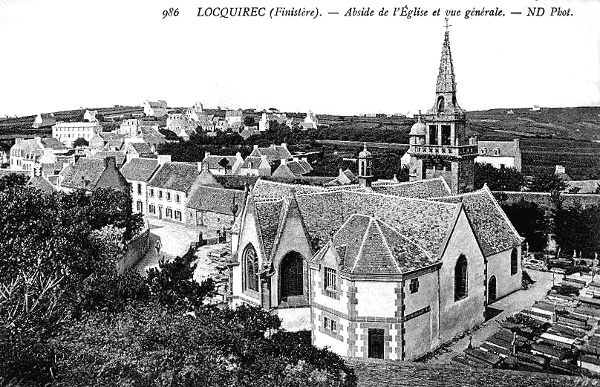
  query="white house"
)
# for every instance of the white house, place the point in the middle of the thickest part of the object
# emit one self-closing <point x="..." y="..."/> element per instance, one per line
<point x="67" y="132"/>
<point x="500" y="154"/>
<point x="155" y="109"/>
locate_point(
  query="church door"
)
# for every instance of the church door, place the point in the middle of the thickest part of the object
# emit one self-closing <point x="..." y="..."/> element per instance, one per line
<point x="492" y="290"/>
<point x="376" y="343"/>
<point x="292" y="276"/>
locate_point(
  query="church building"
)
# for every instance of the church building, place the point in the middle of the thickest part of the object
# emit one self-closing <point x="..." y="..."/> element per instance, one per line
<point x="382" y="269"/>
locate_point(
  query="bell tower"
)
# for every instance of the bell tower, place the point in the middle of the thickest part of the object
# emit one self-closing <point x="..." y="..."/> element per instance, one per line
<point x="446" y="150"/>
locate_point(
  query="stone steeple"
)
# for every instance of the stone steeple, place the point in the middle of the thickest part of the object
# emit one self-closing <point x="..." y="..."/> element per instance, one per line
<point x="445" y="89"/>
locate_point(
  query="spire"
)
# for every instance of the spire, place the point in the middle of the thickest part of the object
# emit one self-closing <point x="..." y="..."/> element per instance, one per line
<point x="445" y="80"/>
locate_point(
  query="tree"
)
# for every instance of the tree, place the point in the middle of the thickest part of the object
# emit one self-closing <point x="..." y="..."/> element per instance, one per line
<point x="576" y="229"/>
<point x="547" y="182"/>
<point x="503" y="179"/>
<point x="249" y="121"/>
<point x="80" y="142"/>
<point x="530" y="221"/>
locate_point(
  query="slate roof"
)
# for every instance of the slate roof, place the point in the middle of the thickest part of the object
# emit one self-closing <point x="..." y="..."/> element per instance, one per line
<point x="371" y="246"/>
<point x="492" y="228"/>
<point x="273" y="152"/>
<point x="52" y="143"/>
<point x="505" y="148"/>
<point x="41" y="183"/>
<point x="118" y="155"/>
<point x="392" y="373"/>
<point x="141" y="147"/>
<point x="265" y="189"/>
<point x="84" y="174"/>
<point x="236" y="181"/>
<point x="219" y="200"/>
<point x="268" y="214"/>
<point x="251" y="162"/>
<point x="344" y="178"/>
<point x="113" y="140"/>
<point x="139" y="169"/>
<point x="208" y="179"/>
<point x="299" y="167"/>
<point x="423" y="189"/>
<point x="213" y="161"/>
<point x="176" y="176"/>
<point x="284" y="172"/>
<point x="427" y="223"/>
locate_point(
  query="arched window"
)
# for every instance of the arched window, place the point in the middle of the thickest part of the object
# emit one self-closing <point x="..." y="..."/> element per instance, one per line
<point x="460" y="278"/>
<point x="440" y="104"/>
<point x="250" y="261"/>
<point x="514" y="261"/>
<point x="292" y="275"/>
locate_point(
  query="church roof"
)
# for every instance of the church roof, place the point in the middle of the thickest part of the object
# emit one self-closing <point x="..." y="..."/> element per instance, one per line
<point x="422" y="189"/>
<point x="493" y="230"/>
<point x="268" y="214"/>
<point x="445" y="81"/>
<point x="427" y="223"/>
<point x="368" y="245"/>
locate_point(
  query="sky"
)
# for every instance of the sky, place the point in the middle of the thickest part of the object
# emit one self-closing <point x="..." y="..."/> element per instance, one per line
<point x="66" y="54"/>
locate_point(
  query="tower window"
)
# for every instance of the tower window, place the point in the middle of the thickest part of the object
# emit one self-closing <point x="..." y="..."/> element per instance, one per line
<point x="440" y="104"/>
<point x="433" y="135"/>
<point x="446" y="131"/>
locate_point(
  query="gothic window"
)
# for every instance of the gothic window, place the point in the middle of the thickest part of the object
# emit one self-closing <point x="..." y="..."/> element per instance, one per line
<point x="440" y="104"/>
<point x="460" y="278"/>
<point x="292" y="275"/>
<point x="446" y="130"/>
<point x="250" y="261"/>
<point x="514" y="262"/>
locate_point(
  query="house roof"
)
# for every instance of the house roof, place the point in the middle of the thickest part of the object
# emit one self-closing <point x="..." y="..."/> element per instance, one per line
<point x="498" y="148"/>
<point x="368" y="245"/>
<point x="273" y="152"/>
<point x="52" y="143"/>
<point x="213" y="161"/>
<point x="206" y="178"/>
<point x="299" y="167"/>
<point x="41" y="183"/>
<point x="219" y="200"/>
<point x="176" y="176"/>
<point x="118" y="155"/>
<point x="84" y="174"/>
<point x="113" y="139"/>
<point x="344" y="178"/>
<point x="141" y="147"/>
<point x="139" y="169"/>
<point x="252" y="162"/>
<point x="284" y="172"/>
<point x="492" y="228"/>
<point x="585" y="186"/>
<point x="238" y="182"/>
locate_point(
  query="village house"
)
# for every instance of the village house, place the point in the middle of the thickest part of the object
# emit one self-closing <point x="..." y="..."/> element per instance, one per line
<point x="155" y="109"/>
<point x="381" y="269"/>
<point x="138" y="172"/>
<point x="27" y="155"/>
<point x="292" y="169"/>
<point x="43" y="120"/>
<point x="195" y="112"/>
<point x="263" y="123"/>
<point x="91" y="174"/>
<point x="90" y="116"/>
<point x="262" y="160"/>
<point x="132" y="127"/>
<point x="234" y="118"/>
<point x="169" y="189"/>
<point x="310" y="121"/>
<point x="223" y="165"/>
<point x="500" y="154"/>
<point x="178" y="123"/>
<point x="68" y="132"/>
<point x="136" y="147"/>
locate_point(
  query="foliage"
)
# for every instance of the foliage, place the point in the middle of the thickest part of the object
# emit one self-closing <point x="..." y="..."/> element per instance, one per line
<point x="547" y="182"/>
<point x="172" y="284"/>
<point x="12" y="180"/>
<point x="80" y="142"/>
<point x="31" y="312"/>
<point x="169" y="134"/>
<point x="530" y="221"/>
<point x="249" y="121"/>
<point x="150" y="346"/>
<point x="576" y="229"/>
<point x="504" y="179"/>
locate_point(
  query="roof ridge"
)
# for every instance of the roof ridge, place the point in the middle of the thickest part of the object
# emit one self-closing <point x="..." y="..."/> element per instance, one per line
<point x="407" y="238"/>
<point x="360" y="249"/>
<point x="387" y="246"/>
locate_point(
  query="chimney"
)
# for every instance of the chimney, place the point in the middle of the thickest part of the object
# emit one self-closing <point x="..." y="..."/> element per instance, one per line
<point x="206" y="154"/>
<point x="282" y="161"/>
<point x="255" y="147"/>
<point x="284" y="145"/>
<point x="38" y="141"/>
<point x="516" y="141"/>
<point x="272" y="146"/>
<point x="238" y="155"/>
<point x="18" y="140"/>
<point x="559" y="169"/>
<point x="341" y="172"/>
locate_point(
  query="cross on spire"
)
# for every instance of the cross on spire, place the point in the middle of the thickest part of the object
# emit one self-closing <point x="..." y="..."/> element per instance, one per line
<point x="447" y="25"/>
